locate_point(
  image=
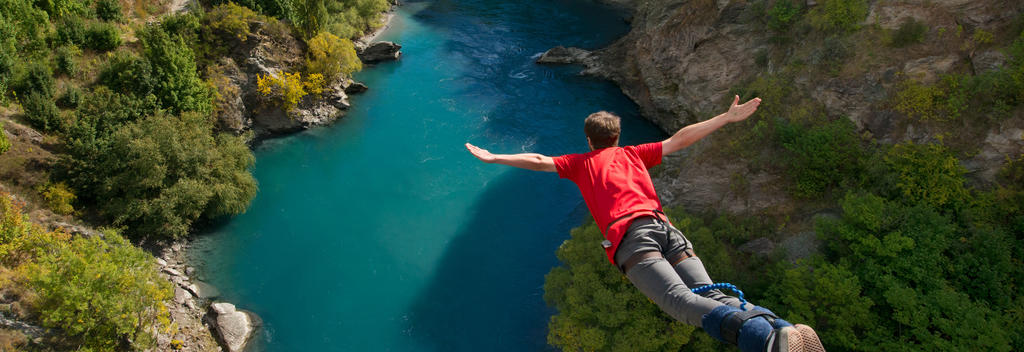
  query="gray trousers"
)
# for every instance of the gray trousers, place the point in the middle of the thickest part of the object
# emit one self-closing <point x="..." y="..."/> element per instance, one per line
<point x="667" y="285"/>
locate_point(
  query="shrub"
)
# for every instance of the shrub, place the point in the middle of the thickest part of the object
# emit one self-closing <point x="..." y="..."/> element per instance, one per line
<point x="281" y="9"/>
<point x="5" y="145"/>
<point x="58" y="197"/>
<point x="927" y="173"/>
<point x="176" y="83"/>
<point x="784" y="13"/>
<point x="37" y="78"/>
<point x="127" y="73"/>
<point x="71" y="30"/>
<point x="930" y="102"/>
<point x="822" y="157"/>
<point x="109" y="10"/>
<point x="71" y="97"/>
<point x="839" y="15"/>
<point x="911" y="31"/>
<point x="231" y="19"/>
<point x="101" y="290"/>
<point x="65" y="59"/>
<point x="287" y="88"/>
<point x="332" y="57"/>
<point x="162" y="173"/>
<point x="41" y="112"/>
<point x="102" y="37"/>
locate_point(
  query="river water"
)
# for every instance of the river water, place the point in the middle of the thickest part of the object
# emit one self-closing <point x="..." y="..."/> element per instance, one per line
<point x="381" y="233"/>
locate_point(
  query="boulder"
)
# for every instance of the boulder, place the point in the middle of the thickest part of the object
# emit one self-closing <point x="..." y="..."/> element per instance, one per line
<point x="356" y="88"/>
<point x="380" y="51"/>
<point x="760" y="246"/>
<point x="234" y="327"/>
<point x="172" y="271"/>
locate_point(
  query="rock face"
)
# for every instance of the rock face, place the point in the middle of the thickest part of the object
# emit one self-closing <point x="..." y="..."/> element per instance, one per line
<point x="682" y="58"/>
<point x="379" y="51"/>
<point x="269" y="50"/>
<point x="234" y="327"/>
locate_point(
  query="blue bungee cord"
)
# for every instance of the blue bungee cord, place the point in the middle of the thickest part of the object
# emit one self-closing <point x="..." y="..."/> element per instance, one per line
<point x="719" y="286"/>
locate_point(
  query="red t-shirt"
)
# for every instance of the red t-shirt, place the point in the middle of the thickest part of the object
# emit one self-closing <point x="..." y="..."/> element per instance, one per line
<point x="615" y="185"/>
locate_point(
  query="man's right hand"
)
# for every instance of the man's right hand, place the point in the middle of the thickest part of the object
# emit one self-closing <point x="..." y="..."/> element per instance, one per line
<point x="480" y="153"/>
<point x="739" y="112"/>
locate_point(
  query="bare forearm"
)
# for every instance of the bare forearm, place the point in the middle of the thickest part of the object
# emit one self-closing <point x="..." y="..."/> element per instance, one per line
<point x="529" y="161"/>
<point x="695" y="132"/>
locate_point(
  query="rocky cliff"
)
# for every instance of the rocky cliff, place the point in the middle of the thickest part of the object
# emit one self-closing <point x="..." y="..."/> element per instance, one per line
<point x="683" y="59"/>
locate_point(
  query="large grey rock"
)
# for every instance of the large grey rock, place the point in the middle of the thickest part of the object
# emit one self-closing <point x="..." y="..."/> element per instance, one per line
<point x="234" y="327"/>
<point x="380" y="51"/>
<point x="356" y="88"/>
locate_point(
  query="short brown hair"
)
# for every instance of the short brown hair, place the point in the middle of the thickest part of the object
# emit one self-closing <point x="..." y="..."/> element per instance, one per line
<point x="603" y="129"/>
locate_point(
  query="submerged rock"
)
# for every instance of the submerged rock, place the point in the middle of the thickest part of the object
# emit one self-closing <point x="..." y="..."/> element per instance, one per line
<point x="563" y="55"/>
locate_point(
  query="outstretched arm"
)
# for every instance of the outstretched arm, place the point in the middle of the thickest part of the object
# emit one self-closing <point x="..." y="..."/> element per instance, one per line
<point x="693" y="133"/>
<point x="529" y="161"/>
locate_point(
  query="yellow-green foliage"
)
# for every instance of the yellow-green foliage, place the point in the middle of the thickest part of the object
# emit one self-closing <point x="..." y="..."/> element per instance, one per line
<point x="232" y="19"/>
<point x="288" y="88"/>
<point x="100" y="290"/>
<point x="4" y="144"/>
<point x="314" y="84"/>
<point x="839" y="15"/>
<point x="927" y="173"/>
<point x="332" y="57"/>
<point x="58" y="197"/>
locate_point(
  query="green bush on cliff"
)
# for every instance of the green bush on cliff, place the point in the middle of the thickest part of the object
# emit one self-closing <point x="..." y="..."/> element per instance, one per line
<point x="41" y="112"/>
<point x="5" y="145"/>
<point x="784" y="13"/>
<point x="176" y="83"/>
<point x="101" y="291"/>
<point x="158" y="175"/>
<point x="838" y="15"/>
<point x="821" y="157"/>
<point x="102" y="37"/>
<point x="927" y="173"/>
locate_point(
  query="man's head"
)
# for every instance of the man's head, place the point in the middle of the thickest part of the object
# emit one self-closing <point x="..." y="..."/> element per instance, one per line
<point x="602" y="129"/>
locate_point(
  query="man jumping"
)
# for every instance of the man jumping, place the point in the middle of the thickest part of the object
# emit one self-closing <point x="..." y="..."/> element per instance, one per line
<point x="641" y="242"/>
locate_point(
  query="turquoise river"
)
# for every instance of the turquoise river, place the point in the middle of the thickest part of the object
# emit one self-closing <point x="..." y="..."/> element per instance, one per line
<point x="381" y="233"/>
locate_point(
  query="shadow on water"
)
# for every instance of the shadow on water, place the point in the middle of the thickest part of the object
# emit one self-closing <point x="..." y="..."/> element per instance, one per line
<point x="487" y="291"/>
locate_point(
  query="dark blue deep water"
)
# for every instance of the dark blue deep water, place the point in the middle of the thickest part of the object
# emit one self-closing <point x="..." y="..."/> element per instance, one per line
<point x="381" y="233"/>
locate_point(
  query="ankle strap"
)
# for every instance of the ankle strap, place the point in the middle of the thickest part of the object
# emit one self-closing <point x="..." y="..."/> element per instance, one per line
<point x="733" y="322"/>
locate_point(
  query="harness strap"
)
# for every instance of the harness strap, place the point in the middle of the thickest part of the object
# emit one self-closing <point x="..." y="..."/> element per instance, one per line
<point x="733" y="322"/>
<point x="657" y="213"/>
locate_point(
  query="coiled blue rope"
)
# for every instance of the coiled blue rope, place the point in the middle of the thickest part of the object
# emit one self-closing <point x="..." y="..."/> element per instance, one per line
<point x="719" y="286"/>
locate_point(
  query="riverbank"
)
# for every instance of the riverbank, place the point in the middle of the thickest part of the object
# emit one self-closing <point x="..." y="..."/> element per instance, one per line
<point x="194" y="297"/>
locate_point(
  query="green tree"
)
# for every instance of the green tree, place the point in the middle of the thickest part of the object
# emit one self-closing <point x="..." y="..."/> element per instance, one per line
<point x="821" y="157"/>
<point x="102" y="37"/>
<point x="177" y="84"/>
<point x="598" y="308"/>
<point x="312" y="16"/>
<point x="41" y="112"/>
<point x="162" y="173"/>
